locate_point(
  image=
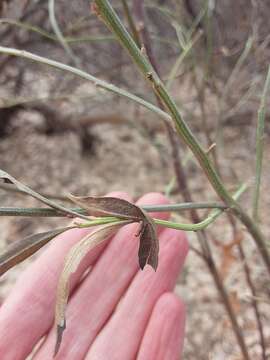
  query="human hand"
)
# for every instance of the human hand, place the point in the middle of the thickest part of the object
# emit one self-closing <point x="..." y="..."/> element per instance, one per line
<point x="116" y="312"/>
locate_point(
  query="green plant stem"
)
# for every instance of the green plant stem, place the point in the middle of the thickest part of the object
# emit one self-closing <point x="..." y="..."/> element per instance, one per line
<point x="184" y="206"/>
<point x="28" y="191"/>
<point x="47" y="212"/>
<point x="71" y="39"/>
<point x="259" y="148"/>
<point x="39" y="212"/>
<point x="99" y="83"/>
<point x="234" y="74"/>
<point x="181" y="126"/>
<point x="105" y="11"/>
<point x="139" y="13"/>
<point x="68" y="39"/>
<point x="59" y="34"/>
<point x="105" y="220"/>
<point x="99" y="221"/>
<point x="202" y="224"/>
<point x="174" y="71"/>
<point x="11" y="188"/>
<point x="131" y="23"/>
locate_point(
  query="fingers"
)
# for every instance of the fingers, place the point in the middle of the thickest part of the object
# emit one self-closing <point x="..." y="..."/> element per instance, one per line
<point x="164" y="335"/>
<point x="94" y="301"/>
<point x="124" y="331"/>
<point x="28" y="312"/>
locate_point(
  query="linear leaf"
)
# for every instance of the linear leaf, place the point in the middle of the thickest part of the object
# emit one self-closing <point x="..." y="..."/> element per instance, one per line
<point x="123" y="209"/>
<point x="149" y="245"/>
<point x="10" y="179"/>
<point x="103" y="206"/>
<point x="22" y="249"/>
<point x="72" y="261"/>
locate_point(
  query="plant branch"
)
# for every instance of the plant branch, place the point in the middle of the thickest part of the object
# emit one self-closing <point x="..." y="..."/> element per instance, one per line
<point x="52" y="37"/>
<point x="104" y="220"/>
<point x="259" y="148"/>
<point x="47" y="212"/>
<point x="25" y="189"/>
<point x="11" y="188"/>
<point x="202" y="224"/>
<point x="254" y="301"/>
<point x="99" y="83"/>
<point x="130" y="21"/>
<point x="176" y="159"/>
<point x="105" y="11"/>
<point x="59" y="34"/>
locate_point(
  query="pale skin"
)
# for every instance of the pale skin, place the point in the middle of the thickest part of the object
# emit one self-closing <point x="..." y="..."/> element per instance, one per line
<point x="116" y="312"/>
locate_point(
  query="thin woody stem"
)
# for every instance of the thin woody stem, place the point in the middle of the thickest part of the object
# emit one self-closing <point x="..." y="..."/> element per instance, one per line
<point x="48" y="212"/>
<point x="105" y="220"/>
<point x="259" y="148"/>
<point x="105" y="11"/>
<point x="11" y="188"/>
<point x="98" y="83"/>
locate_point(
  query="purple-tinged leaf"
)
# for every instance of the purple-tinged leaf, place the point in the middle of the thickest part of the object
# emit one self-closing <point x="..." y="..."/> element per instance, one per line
<point x="149" y="245"/>
<point x="104" y="206"/>
<point x="22" y="249"/>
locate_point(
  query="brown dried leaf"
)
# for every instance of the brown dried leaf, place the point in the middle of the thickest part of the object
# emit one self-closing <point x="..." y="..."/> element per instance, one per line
<point x="72" y="261"/>
<point x="123" y="209"/>
<point x="104" y="206"/>
<point x="149" y="245"/>
<point x="22" y="249"/>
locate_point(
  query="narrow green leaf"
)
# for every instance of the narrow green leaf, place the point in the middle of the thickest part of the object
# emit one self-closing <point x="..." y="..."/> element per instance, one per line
<point x="99" y="83"/>
<point x="68" y="39"/>
<point x="23" y="188"/>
